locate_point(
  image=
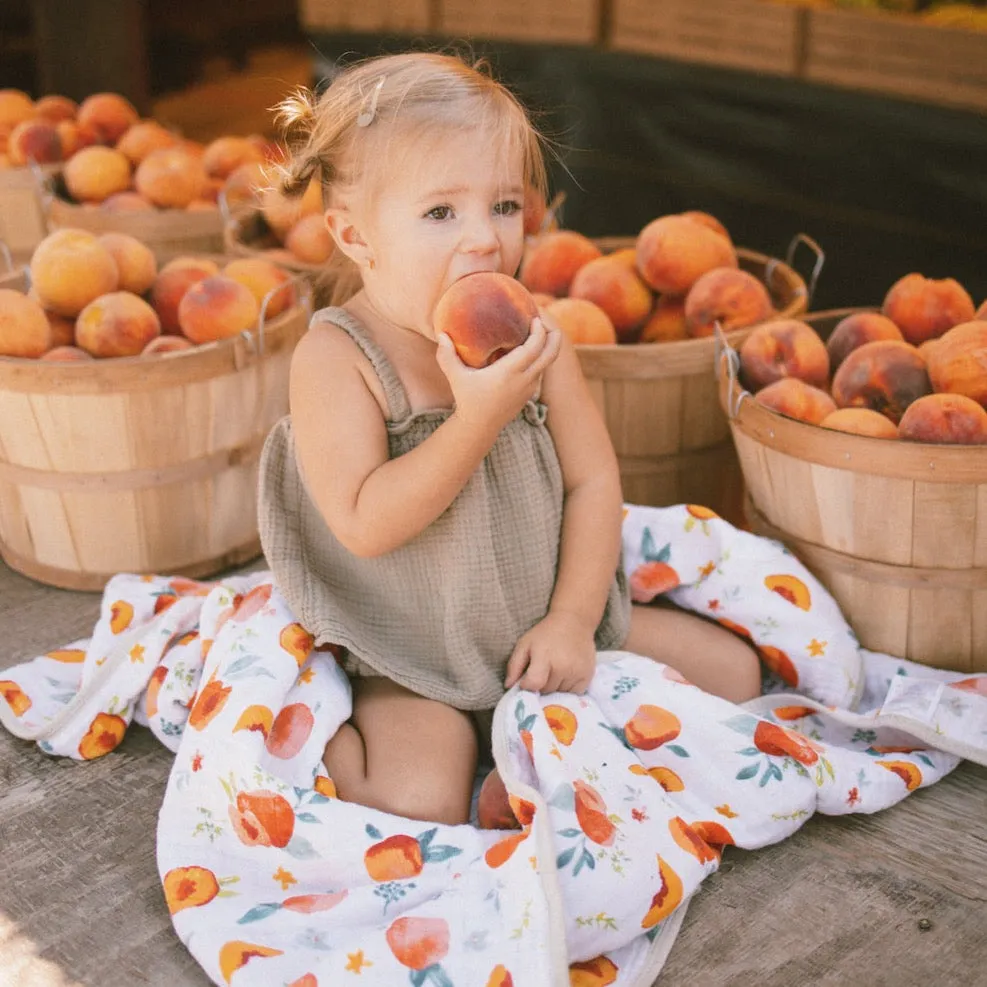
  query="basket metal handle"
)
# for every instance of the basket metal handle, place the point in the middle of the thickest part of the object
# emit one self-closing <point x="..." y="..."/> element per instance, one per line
<point x="725" y="352"/>
<point x="303" y="296"/>
<point x="44" y="191"/>
<point x="817" y="267"/>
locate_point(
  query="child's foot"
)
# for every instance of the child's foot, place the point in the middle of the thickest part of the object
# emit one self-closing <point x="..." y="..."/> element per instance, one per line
<point x="493" y="810"/>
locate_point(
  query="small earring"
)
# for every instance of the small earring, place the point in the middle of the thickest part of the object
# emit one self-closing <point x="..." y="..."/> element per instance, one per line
<point x="372" y="264"/>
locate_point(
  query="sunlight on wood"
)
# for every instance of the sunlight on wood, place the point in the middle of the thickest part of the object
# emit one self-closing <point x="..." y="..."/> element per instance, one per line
<point x="20" y="965"/>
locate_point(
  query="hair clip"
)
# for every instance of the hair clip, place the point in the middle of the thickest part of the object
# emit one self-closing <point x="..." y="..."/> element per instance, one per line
<point x="368" y="113"/>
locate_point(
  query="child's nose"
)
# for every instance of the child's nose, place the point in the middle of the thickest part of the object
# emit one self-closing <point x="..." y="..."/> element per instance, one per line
<point x="480" y="235"/>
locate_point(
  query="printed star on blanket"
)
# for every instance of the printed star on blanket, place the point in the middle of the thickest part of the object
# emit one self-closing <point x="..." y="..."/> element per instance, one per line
<point x="817" y="648"/>
<point x="137" y="653"/>
<point x="284" y="877"/>
<point x="355" y="962"/>
<point x="306" y="675"/>
<point x="707" y="570"/>
<point x="725" y="810"/>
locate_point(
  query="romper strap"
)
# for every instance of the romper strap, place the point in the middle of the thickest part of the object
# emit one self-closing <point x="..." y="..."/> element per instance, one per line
<point x="398" y="407"/>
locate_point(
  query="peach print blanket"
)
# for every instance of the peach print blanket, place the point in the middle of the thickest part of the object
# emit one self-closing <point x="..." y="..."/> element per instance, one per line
<point x="627" y="795"/>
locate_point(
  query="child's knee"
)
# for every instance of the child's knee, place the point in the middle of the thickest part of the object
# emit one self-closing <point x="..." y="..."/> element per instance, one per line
<point x="427" y="800"/>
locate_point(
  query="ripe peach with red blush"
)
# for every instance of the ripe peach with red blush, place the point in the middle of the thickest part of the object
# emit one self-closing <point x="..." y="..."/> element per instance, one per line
<point x="216" y="308"/>
<point x="116" y="324"/>
<point x="24" y="329"/>
<point x="856" y="329"/>
<point x="34" y="142"/>
<point x="886" y="376"/>
<point x="923" y="308"/>
<point x="783" y="348"/>
<point x="551" y="261"/>
<point x="796" y="399"/>
<point x="617" y="288"/>
<point x="667" y="321"/>
<point x="169" y="288"/>
<point x="583" y="322"/>
<point x="110" y="113"/>
<point x="958" y="361"/>
<point x="673" y="252"/>
<point x="728" y="296"/>
<point x="946" y="418"/>
<point x="170" y="178"/>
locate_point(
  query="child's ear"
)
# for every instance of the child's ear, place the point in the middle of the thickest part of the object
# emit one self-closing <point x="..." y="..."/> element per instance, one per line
<point x="347" y="236"/>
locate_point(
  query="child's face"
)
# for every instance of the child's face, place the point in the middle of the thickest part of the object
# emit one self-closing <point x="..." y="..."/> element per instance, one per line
<point x="449" y="207"/>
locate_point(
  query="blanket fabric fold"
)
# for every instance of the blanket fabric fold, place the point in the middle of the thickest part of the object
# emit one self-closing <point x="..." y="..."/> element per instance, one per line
<point x="627" y="795"/>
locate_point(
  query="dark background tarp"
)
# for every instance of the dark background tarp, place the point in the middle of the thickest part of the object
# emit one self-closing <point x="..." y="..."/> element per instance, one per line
<point x="885" y="186"/>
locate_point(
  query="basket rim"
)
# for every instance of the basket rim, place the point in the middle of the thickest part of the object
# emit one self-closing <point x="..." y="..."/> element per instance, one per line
<point x="196" y="222"/>
<point x="927" y="462"/>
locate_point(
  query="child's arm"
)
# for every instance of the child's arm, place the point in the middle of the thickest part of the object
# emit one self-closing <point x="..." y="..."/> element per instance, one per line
<point x="559" y="653"/>
<point x="374" y="504"/>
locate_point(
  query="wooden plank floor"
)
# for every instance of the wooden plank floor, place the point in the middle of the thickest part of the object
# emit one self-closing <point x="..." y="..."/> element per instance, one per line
<point x="839" y="903"/>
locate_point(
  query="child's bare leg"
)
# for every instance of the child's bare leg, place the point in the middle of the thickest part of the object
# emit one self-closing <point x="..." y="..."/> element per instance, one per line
<point x="404" y="754"/>
<point x="708" y="655"/>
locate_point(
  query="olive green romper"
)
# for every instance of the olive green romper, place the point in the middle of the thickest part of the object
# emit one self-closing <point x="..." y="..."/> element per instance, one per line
<point x="442" y="613"/>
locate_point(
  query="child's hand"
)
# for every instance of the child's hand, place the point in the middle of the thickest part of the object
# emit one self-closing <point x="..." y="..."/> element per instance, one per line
<point x="492" y="396"/>
<point x="558" y="654"/>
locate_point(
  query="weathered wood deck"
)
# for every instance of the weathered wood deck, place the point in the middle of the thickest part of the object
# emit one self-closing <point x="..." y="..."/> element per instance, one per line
<point x="841" y="902"/>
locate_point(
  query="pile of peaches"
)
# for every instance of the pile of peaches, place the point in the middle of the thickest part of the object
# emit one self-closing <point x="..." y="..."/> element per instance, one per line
<point x="916" y="370"/>
<point x="94" y="297"/>
<point x="679" y="278"/>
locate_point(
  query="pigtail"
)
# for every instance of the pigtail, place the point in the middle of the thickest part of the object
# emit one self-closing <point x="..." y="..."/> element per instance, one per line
<point x="295" y="116"/>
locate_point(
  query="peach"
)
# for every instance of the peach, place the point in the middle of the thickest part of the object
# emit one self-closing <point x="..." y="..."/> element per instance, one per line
<point x="982" y="313"/>
<point x="144" y="137"/>
<point x="861" y="421"/>
<point x="958" y="361"/>
<point x="923" y="308"/>
<point x="261" y="277"/>
<point x="617" y="288"/>
<point x="796" y="399"/>
<point x="854" y="331"/>
<point x="309" y="239"/>
<point x="667" y="322"/>
<point x="242" y="185"/>
<point x="534" y="212"/>
<point x="551" y="261"/>
<point x="216" y="308"/>
<point x="67" y="354"/>
<point x="95" y="173"/>
<point x="783" y="348"/>
<point x="109" y="113"/>
<point x="24" y="329"/>
<point x="169" y="288"/>
<point x="886" y="376"/>
<point x="135" y="262"/>
<point x="69" y="269"/>
<point x="116" y="324"/>
<point x="170" y="178"/>
<point x="126" y="201"/>
<point x="34" y="142"/>
<point x="707" y="220"/>
<point x="949" y="418"/>
<point x="15" y="108"/>
<point x="485" y="315"/>
<point x="55" y="108"/>
<point x="225" y="154"/>
<point x="731" y="297"/>
<point x="673" y="252"/>
<point x="281" y="212"/>
<point x="583" y="322"/>
<point x="71" y="138"/>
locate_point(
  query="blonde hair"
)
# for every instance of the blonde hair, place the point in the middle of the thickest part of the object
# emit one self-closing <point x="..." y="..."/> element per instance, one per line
<point x="330" y="137"/>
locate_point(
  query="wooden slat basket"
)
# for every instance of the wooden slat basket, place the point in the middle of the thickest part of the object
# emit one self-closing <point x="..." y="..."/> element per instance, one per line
<point x="574" y="22"/>
<point x="660" y="403"/>
<point x="376" y="16"/>
<point x="22" y="216"/>
<point x="898" y="56"/>
<point x="896" y="531"/>
<point x="755" y="35"/>
<point x="140" y="465"/>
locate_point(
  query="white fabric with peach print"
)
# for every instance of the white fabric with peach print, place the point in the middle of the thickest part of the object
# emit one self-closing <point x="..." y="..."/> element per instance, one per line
<point x="626" y="795"/>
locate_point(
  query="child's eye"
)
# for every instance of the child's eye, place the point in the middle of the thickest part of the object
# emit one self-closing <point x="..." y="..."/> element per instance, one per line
<point x="439" y="213"/>
<point x="508" y="207"/>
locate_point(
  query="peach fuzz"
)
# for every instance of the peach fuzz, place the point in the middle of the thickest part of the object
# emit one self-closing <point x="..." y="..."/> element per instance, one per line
<point x="24" y="329"/>
<point x="728" y="296"/>
<point x="15" y="107"/>
<point x="95" y="173"/>
<point x="784" y="348"/>
<point x="56" y="108"/>
<point x="707" y="220"/>
<point x="795" y="398"/>
<point x="854" y="331"/>
<point x="260" y="276"/>
<point x="116" y="324"/>
<point x="923" y="308"/>
<point x="170" y="178"/>
<point x="946" y="418"/>
<point x="886" y="376"/>
<point x="281" y="212"/>
<point x="109" y="113"/>
<point x="551" y="261"/>
<point x="958" y="361"/>
<point x="216" y="308"/>
<point x="126" y="201"/>
<point x="673" y="252"/>
<point x="135" y="261"/>
<point x="169" y="288"/>
<point x="166" y="344"/>
<point x="69" y="269"/>
<point x="309" y="239"/>
<point x="667" y="322"/>
<point x="67" y="354"/>
<point x="861" y="421"/>
<point x="485" y="315"/>
<point x="225" y="154"/>
<point x="143" y="138"/>
<point x="583" y="322"/>
<point x="617" y="288"/>
<point x="34" y="141"/>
